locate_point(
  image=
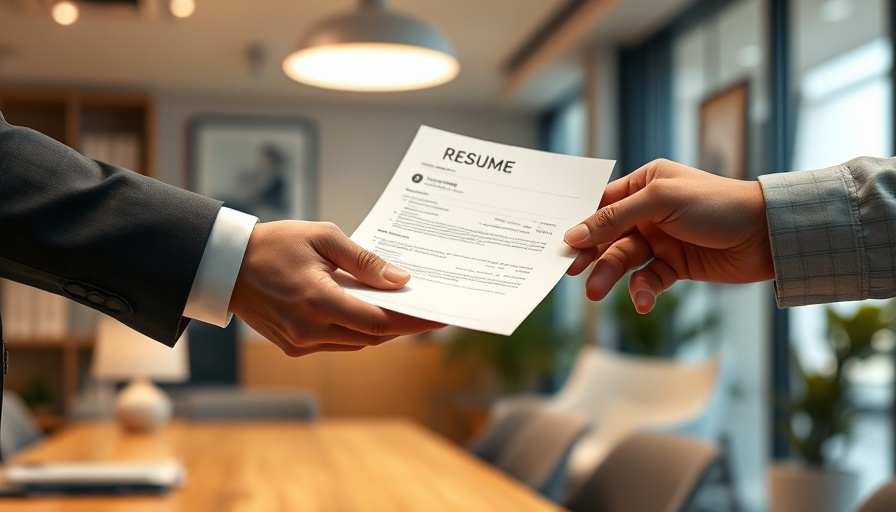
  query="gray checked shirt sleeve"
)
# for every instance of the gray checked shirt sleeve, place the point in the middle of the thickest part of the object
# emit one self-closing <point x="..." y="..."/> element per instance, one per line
<point x="833" y="232"/>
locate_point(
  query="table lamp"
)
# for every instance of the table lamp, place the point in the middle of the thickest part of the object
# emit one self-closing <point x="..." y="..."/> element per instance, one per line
<point x="123" y="354"/>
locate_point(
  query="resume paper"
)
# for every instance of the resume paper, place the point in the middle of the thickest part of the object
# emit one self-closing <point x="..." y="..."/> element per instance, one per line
<point x="479" y="225"/>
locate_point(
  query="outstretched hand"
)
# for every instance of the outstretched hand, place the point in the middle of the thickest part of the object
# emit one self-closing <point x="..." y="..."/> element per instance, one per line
<point x="667" y="221"/>
<point x="285" y="290"/>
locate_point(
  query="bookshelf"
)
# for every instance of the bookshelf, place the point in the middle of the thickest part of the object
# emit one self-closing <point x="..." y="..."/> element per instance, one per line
<point x="76" y="119"/>
<point x="49" y="337"/>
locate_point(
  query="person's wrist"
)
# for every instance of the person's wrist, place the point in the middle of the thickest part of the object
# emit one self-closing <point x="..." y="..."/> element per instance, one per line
<point x="758" y="209"/>
<point x="242" y="286"/>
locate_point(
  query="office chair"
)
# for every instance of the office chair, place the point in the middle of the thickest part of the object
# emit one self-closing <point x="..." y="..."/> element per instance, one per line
<point x="624" y="393"/>
<point x="538" y="453"/>
<point x="491" y="441"/>
<point x="18" y="429"/>
<point x="647" y="471"/>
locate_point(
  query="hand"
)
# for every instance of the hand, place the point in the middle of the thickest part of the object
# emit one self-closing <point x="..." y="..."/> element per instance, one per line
<point x="285" y="290"/>
<point x="683" y="223"/>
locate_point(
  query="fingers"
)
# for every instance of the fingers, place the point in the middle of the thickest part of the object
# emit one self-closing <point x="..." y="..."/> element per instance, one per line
<point x="341" y="309"/>
<point x="623" y="204"/>
<point x="611" y="221"/>
<point x="583" y="259"/>
<point x="647" y="283"/>
<point x="616" y="191"/>
<point x="369" y="268"/>
<point x="348" y="339"/>
<point x="338" y="339"/>
<point x="286" y="290"/>
<point x="629" y="252"/>
<point x="294" y="351"/>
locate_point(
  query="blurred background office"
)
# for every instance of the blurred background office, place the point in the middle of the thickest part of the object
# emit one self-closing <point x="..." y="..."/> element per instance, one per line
<point x="194" y="93"/>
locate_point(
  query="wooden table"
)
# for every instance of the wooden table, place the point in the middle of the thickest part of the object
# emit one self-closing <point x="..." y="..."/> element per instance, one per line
<point x="331" y="465"/>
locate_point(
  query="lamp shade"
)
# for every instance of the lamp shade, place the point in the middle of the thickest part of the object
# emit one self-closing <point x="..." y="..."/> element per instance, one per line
<point x="123" y="354"/>
<point x="372" y="49"/>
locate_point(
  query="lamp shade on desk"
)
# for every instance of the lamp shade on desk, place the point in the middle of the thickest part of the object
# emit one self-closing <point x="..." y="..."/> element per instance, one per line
<point x="123" y="354"/>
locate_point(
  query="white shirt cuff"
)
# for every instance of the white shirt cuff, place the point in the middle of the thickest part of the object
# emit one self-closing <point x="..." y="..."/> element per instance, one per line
<point x="219" y="267"/>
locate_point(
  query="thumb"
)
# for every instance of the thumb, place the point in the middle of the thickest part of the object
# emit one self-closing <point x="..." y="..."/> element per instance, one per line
<point x="610" y="222"/>
<point x="366" y="266"/>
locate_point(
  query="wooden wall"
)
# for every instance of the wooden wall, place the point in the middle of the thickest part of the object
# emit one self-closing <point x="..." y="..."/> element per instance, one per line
<point x="404" y="377"/>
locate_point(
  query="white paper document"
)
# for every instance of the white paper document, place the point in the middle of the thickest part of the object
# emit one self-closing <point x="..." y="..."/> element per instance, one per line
<point x="95" y="473"/>
<point x="479" y="226"/>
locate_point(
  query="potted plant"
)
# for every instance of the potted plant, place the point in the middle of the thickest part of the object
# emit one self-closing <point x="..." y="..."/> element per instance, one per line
<point x="660" y="333"/>
<point x="537" y="352"/>
<point x="820" y="416"/>
<point x="37" y="396"/>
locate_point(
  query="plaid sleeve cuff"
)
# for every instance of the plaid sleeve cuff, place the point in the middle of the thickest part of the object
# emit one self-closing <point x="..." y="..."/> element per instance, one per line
<point x="832" y="232"/>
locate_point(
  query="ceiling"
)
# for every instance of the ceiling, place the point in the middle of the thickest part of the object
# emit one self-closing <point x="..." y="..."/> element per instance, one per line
<point x="208" y="52"/>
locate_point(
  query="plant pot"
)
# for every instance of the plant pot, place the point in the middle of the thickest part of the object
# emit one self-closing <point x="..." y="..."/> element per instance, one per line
<point x="796" y="488"/>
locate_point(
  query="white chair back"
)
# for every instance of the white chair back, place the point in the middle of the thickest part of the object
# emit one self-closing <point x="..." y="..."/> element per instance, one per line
<point x="621" y="394"/>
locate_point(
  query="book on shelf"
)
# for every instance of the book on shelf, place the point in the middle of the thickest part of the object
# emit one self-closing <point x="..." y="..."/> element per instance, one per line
<point x="121" y="149"/>
<point x="50" y="318"/>
<point x="30" y="313"/>
<point x="15" y="306"/>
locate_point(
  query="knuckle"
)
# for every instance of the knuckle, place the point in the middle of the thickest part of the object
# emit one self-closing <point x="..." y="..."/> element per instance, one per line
<point x="329" y="228"/>
<point x="378" y="329"/>
<point x="656" y="190"/>
<point x="368" y="260"/>
<point x="646" y="278"/>
<point x="616" y="260"/>
<point x="603" y="218"/>
<point x="639" y="278"/>
<point x="662" y="165"/>
<point x="326" y="236"/>
<point x="313" y="304"/>
<point x="291" y="349"/>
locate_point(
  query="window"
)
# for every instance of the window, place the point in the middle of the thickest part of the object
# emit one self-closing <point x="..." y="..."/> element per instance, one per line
<point x="843" y="110"/>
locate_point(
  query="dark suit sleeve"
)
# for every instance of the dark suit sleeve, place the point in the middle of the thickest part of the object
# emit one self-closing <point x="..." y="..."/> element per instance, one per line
<point x="114" y="240"/>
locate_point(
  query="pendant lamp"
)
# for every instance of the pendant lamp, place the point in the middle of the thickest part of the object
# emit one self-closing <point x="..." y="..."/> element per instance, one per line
<point x="372" y="49"/>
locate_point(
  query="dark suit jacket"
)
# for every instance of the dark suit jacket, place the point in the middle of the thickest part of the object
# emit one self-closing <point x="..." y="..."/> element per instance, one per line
<point x="109" y="238"/>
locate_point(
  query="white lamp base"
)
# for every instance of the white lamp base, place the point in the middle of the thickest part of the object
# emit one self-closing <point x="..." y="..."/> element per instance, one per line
<point x="142" y="406"/>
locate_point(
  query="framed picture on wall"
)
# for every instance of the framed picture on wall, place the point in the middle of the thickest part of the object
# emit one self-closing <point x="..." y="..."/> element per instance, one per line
<point x="723" y="132"/>
<point x="262" y="166"/>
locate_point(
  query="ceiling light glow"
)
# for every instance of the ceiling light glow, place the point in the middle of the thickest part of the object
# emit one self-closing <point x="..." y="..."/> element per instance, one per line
<point x="65" y="12"/>
<point x="182" y="8"/>
<point x="371" y="67"/>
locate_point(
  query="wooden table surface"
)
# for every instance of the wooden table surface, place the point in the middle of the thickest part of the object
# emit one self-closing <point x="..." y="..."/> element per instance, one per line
<point x="330" y="465"/>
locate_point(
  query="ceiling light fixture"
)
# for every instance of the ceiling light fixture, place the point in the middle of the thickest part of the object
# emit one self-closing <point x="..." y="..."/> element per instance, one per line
<point x="372" y="49"/>
<point x="65" y="12"/>
<point x="182" y="8"/>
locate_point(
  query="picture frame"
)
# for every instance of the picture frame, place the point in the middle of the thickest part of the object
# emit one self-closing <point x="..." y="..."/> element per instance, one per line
<point x="264" y="166"/>
<point x="724" y="123"/>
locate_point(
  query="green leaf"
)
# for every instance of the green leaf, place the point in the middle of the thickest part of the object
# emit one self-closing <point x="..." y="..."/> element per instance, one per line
<point x="821" y="398"/>
<point x="537" y="348"/>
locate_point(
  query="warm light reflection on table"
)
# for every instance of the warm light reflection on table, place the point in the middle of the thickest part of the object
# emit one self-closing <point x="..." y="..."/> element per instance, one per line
<point x="331" y="465"/>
